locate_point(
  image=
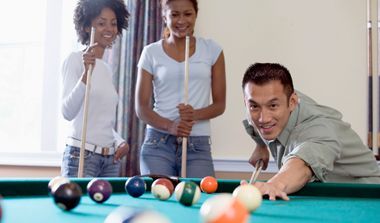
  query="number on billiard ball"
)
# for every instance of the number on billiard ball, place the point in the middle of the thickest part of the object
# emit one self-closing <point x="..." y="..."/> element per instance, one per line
<point x="187" y="193"/>
<point x="209" y="184"/>
<point x="162" y="188"/>
<point x="135" y="186"/>
<point x="99" y="190"/>
<point x="67" y="196"/>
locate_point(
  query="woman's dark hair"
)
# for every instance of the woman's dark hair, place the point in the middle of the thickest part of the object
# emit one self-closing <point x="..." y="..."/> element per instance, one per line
<point x="165" y="33"/>
<point x="87" y="10"/>
<point x="263" y="73"/>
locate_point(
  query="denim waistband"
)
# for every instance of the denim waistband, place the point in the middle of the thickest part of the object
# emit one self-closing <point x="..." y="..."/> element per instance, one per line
<point x="168" y="138"/>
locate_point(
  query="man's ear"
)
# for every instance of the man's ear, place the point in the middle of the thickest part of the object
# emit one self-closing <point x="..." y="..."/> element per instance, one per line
<point x="293" y="101"/>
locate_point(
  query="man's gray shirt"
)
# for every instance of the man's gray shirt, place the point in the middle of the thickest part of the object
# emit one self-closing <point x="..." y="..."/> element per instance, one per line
<point x="317" y="135"/>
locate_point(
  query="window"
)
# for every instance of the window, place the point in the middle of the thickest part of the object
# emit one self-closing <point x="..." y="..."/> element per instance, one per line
<point x="33" y="44"/>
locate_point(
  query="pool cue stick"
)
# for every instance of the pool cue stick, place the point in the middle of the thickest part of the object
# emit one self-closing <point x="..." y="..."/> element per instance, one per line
<point x="256" y="173"/>
<point x="184" y="139"/>
<point x="85" y="111"/>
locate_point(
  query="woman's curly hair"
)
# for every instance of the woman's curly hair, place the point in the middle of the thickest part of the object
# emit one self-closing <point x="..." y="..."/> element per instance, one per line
<point x="87" y="10"/>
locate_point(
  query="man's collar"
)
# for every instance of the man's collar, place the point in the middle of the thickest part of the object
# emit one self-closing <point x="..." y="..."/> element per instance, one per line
<point x="284" y="135"/>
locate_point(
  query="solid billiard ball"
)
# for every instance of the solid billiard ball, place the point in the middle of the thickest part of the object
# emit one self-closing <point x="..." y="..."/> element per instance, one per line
<point x="223" y="208"/>
<point x="162" y="188"/>
<point x="135" y="186"/>
<point x="99" y="190"/>
<point x="55" y="182"/>
<point x="123" y="214"/>
<point x="249" y="195"/>
<point x="187" y="193"/>
<point x="67" y="196"/>
<point x="209" y="184"/>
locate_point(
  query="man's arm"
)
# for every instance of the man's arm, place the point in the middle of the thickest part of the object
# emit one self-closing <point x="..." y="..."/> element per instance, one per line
<point x="293" y="175"/>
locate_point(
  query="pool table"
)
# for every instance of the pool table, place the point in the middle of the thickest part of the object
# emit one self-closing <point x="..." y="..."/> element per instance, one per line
<point x="27" y="200"/>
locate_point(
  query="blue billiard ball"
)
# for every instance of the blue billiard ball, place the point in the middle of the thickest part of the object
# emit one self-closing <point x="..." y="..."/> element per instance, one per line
<point x="135" y="186"/>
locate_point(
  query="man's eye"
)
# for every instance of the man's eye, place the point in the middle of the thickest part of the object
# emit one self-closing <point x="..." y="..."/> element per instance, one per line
<point x="273" y="106"/>
<point x="253" y="107"/>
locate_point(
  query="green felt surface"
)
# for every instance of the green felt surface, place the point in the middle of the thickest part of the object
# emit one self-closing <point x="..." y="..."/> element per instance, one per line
<point x="347" y="203"/>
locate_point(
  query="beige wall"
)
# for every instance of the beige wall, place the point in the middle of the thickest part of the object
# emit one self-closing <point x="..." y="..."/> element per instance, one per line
<point x="323" y="43"/>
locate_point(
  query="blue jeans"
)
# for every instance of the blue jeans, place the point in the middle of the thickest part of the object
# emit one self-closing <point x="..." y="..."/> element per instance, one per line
<point x="95" y="165"/>
<point x="161" y="153"/>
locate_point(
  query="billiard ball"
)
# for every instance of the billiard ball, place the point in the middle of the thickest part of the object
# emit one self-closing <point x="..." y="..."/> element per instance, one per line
<point x="162" y="188"/>
<point x="99" y="190"/>
<point x="249" y="195"/>
<point x="187" y="193"/>
<point x="67" y="195"/>
<point x="55" y="182"/>
<point x="135" y="186"/>
<point x="123" y="214"/>
<point x="223" y="208"/>
<point x="209" y="184"/>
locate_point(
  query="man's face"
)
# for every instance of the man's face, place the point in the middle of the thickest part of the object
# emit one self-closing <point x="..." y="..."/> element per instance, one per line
<point x="268" y="107"/>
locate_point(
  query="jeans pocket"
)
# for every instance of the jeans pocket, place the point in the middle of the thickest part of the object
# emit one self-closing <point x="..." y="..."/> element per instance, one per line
<point x="200" y="144"/>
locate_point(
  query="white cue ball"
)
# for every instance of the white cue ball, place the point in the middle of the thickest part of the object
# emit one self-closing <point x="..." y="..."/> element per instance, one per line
<point x="249" y="195"/>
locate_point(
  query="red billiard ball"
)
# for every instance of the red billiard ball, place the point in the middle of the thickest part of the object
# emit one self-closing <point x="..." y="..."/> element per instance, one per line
<point x="162" y="188"/>
<point x="135" y="186"/>
<point x="99" y="190"/>
<point x="67" y="196"/>
<point x="209" y="184"/>
<point x="187" y="193"/>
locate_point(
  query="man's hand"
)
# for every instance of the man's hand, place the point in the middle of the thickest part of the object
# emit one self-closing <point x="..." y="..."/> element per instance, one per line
<point x="260" y="152"/>
<point x="270" y="189"/>
<point x="292" y="176"/>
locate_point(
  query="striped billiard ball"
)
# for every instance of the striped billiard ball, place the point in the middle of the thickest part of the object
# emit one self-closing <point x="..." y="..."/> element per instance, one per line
<point x="187" y="193"/>
<point x="162" y="189"/>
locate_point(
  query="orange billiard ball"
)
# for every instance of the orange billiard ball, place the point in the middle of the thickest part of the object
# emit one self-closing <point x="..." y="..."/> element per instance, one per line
<point x="209" y="184"/>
